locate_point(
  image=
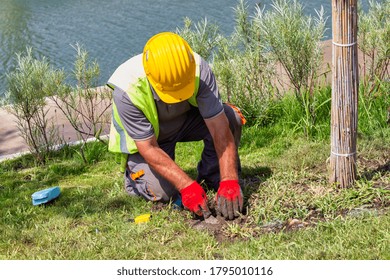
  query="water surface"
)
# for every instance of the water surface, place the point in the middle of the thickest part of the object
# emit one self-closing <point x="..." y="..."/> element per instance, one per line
<point x="111" y="31"/>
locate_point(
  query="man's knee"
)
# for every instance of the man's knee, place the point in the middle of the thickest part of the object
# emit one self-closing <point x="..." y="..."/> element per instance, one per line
<point x="142" y="181"/>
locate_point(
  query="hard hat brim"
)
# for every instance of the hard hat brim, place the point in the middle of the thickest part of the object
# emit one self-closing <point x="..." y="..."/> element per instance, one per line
<point x="178" y="95"/>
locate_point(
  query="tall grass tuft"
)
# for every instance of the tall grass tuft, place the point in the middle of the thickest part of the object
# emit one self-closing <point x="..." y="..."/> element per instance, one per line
<point x="374" y="110"/>
<point x="297" y="119"/>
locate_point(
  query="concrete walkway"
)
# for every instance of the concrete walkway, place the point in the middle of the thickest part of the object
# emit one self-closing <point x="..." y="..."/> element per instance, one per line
<point x="11" y="142"/>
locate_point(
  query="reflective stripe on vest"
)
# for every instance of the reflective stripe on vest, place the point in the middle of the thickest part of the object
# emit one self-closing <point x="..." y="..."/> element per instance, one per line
<point x="130" y="78"/>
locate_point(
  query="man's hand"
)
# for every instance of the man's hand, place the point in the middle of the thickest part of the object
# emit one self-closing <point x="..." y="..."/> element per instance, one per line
<point x="229" y="199"/>
<point x="194" y="199"/>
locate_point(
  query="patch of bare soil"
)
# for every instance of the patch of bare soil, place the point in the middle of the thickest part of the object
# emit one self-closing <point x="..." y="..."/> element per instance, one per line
<point x="244" y="227"/>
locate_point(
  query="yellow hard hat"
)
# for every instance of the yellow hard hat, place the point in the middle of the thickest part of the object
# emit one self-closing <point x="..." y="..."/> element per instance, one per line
<point x="169" y="65"/>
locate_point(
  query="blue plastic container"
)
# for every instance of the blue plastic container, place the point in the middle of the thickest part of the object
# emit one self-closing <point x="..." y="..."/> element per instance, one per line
<point x="46" y="195"/>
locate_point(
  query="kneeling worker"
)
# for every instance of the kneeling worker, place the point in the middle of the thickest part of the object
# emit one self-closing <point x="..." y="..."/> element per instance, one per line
<point x="168" y="94"/>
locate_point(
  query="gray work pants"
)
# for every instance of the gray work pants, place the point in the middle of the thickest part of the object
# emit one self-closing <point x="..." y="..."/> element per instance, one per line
<point x="153" y="187"/>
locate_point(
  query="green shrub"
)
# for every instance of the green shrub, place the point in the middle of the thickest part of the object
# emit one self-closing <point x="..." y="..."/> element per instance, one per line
<point x="245" y="81"/>
<point x="86" y="105"/>
<point x="245" y="72"/>
<point x="374" y="42"/>
<point x="293" y="40"/>
<point x="203" y="37"/>
<point x="28" y="86"/>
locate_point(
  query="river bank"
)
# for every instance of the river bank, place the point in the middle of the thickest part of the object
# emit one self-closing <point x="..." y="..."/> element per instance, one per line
<point x="11" y="143"/>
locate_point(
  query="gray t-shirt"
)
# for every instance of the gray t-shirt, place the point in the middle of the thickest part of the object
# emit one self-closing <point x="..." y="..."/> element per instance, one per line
<point x="171" y="116"/>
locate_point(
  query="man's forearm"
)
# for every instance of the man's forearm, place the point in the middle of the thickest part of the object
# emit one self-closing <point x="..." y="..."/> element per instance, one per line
<point x="224" y="146"/>
<point x="163" y="164"/>
<point x="227" y="155"/>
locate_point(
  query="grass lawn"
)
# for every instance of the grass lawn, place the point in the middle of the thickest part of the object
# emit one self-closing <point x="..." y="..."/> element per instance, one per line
<point x="291" y="211"/>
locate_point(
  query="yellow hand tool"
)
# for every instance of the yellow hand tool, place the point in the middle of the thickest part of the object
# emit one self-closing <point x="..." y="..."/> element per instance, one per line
<point x="144" y="218"/>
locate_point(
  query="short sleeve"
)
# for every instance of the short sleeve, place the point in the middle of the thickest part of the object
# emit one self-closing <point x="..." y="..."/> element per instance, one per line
<point x="208" y="97"/>
<point x="134" y="121"/>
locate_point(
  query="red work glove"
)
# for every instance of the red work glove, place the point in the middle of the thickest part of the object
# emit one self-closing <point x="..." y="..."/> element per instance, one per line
<point x="229" y="199"/>
<point x="194" y="199"/>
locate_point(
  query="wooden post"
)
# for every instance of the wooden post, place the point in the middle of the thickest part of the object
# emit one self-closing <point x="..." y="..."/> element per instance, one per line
<point x="345" y="86"/>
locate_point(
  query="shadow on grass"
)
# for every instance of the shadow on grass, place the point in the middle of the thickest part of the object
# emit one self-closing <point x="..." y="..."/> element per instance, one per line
<point x="251" y="179"/>
<point x="41" y="177"/>
<point x="250" y="176"/>
<point x="382" y="169"/>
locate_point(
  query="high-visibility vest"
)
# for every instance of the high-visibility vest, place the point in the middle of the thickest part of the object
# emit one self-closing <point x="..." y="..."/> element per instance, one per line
<point x="131" y="78"/>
